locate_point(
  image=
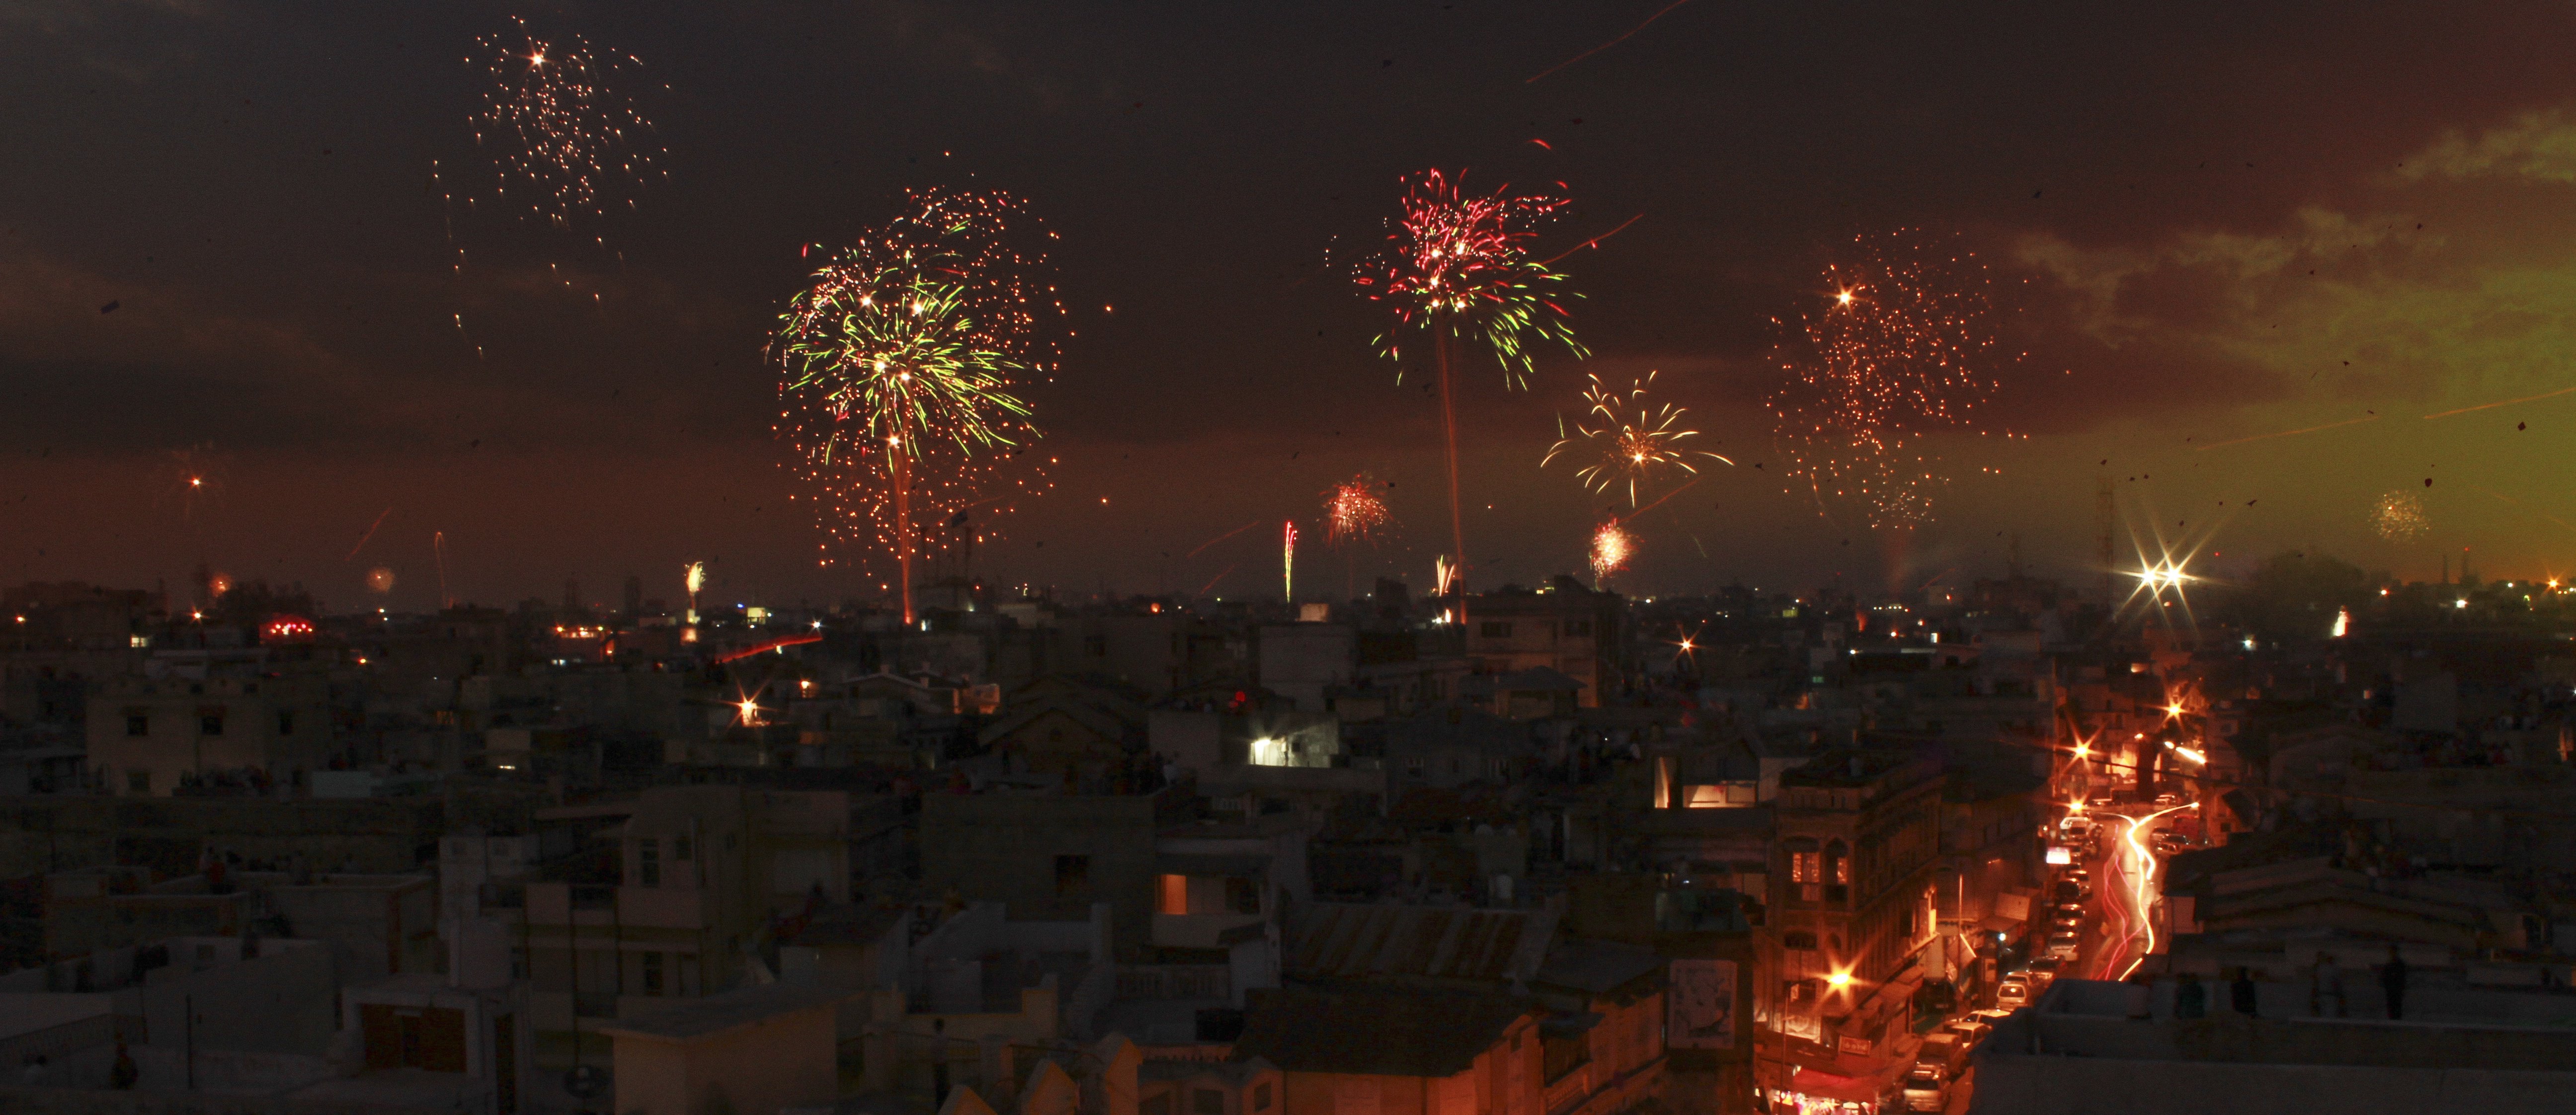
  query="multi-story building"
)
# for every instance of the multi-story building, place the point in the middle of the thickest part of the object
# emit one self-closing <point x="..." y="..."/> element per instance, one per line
<point x="1851" y="906"/>
<point x="1360" y="1051"/>
<point x="148" y="735"/>
<point x="672" y="908"/>
<point x="1564" y="627"/>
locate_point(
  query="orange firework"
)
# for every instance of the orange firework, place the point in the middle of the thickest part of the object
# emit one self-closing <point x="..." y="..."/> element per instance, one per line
<point x="558" y="131"/>
<point x="1633" y="440"/>
<point x="1612" y="546"/>
<point x="1902" y="348"/>
<point x="1353" y="512"/>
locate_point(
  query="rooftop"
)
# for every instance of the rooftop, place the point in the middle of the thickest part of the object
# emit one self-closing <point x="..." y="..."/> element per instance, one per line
<point x="696" y="1018"/>
<point x="1375" y="1032"/>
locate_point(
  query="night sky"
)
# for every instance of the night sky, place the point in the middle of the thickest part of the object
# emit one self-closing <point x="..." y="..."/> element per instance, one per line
<point x="2205" y="221"/>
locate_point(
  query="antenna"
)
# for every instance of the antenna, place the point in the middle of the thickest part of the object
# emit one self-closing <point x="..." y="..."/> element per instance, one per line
<point x="2104" y="510"/>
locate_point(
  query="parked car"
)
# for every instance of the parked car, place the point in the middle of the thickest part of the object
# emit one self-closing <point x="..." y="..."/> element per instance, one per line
<point x="1927" y="1088"/>
<point x="2074" y="910"/>
<point x="2043" y="972"/>
<point x="1971" y="1031"/>
<point x="2064" y="944"/>
<point x="2013" y="993"/>
<point x="2168" y="800"/>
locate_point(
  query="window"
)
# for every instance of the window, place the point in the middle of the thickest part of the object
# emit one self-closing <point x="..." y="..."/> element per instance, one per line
<point x="1798" y="941"/>
<point x="683" y="848"/>
<point x="285" y="722"/>
<point x="138" y="781"/>
<point x="1073" y="877"/>
<point x="210" y="724"/>
<point x="1155" y="1105"/>
<point x="1173" y="895"/>
<point x="1207" y="1101"/>
<point x="1578" y="629"/>
<point x="1493" y="629"/>
<point x="1243" y="896"/>
<point x="652" y="973"/>
<point x="648" y="861"/>
<point x="1261" y="1096"/>
<point x="1413" y="767"/>
<point x="1805" y="872"/>
<point x="138" y="725"/>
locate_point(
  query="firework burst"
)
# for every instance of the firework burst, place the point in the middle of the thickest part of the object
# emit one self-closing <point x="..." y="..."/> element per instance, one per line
<point x="568" y="142"/>
<point x="1612" y="546"/>
<point x="1458" y="266"/>
<point x="194" y="478"/>
<point x="901" y="365"/>
<point x="2399" y="516"/>
<point x="1631" y="440"/>
<point x="1903" y="347"/>
<point x="1353" y="512"/>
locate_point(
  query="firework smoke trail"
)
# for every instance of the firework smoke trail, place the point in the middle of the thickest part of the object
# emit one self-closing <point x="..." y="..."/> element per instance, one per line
<point x="2399" y="516"/>
<point x="1612" y="546"/>
<point x="1630" y="440"/>
<point x="371" y="533"/>
<point x="438" y="546"/>
<point x="2290" y="433"/>
<point x="1458" y="265"/>
<point x="901" y="364"/>
<point x="1221" y="538"/>
<point x="1904" y="347"/>
<point x="556" y="129"/>
<point x="2504" y="403"/>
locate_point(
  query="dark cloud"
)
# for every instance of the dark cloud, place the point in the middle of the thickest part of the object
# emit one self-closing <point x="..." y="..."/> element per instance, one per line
<point x="2197" y="215"/>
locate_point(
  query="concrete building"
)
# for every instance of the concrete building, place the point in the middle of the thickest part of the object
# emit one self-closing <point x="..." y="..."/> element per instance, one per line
<point x="1457" y="745"/>
<point x="149" y="736"/>
<point x="1603" y="1049"/>
<point x="171" y="835"/>
<point x="427" y="1038"/>
<point x="1302" y="662"/>
<point x="1398" y="1050"/>
<point x="1850" y="906"/>
<point x="981" y="983"/>
<point x="197" y="1012"/>
<point x="1049" y="855"/>
<point x="2107" y="1048"/>
<point x="1564" y="627"/>
<point x="672" y="907"/>
<point x="757" y="1049"/>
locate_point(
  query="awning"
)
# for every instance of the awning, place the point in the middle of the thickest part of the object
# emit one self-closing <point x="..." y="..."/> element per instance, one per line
<point x="2000" y="924"/>
<point x="1830" y="1086"/>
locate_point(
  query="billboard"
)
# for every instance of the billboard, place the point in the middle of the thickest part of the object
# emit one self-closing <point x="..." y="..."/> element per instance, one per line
<point x="1700" y="1007"/>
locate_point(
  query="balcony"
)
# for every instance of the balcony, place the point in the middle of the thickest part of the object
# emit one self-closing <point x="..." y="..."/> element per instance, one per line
<point x="587" y="905"/>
